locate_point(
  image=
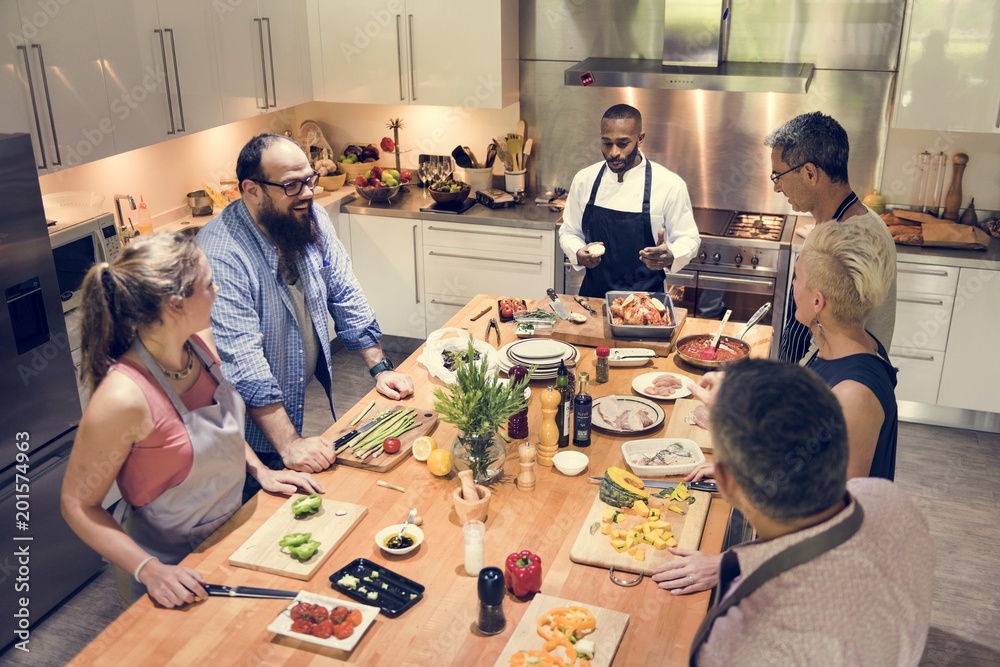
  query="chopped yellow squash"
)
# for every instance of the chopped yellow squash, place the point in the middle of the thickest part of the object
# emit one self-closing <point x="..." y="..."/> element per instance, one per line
<point x="606" y="529"/>
<point x="654" y="513"/>
<point x="609" y="515"/>
<point x="632" y="550"/>
<point x="671" y="542"/>
<point x="640" y="508"/>
<point x="676" y="509"/>
<point x="659" y="544"/>
<point x="619" y="545"/>
<point x="640" y="555"/>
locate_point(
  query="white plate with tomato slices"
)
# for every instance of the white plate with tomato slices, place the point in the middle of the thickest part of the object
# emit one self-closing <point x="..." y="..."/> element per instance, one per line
<point x="282" y="625"/>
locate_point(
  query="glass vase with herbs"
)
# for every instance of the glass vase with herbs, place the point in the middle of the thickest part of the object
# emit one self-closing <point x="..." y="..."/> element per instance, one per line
<point x="477" y="404"/>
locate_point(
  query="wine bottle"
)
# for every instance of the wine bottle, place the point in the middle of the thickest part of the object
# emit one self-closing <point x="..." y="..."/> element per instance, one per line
<point x="581" y="414"/>
<point x="564" y="416"/>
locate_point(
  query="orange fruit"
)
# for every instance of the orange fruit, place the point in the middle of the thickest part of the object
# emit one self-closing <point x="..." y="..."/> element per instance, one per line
<point x="423" y="446"/>
<point x="439" y="462"/>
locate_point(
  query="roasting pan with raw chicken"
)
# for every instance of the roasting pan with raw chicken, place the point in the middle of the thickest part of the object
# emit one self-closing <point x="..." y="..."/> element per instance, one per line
<point x="641" y="315"/>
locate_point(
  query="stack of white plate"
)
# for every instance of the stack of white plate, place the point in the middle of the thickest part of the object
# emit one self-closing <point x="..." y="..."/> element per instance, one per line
<point x="542" y="353"/>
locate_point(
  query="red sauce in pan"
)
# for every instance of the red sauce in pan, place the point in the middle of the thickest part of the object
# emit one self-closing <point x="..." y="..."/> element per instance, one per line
<point x="727" y="350"/>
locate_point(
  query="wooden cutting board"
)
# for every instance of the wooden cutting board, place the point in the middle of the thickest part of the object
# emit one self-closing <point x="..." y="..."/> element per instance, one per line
<point x="597" y="329"/>
<point x="607" y="634"/>
<point x="596" y="549"/>
<point x="383" y="462"/>
<point x="261" y="551"/>
<point x="677" y="427"/>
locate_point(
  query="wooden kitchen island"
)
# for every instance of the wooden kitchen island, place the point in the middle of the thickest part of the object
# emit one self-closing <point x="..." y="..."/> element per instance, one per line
<point x="440" y="629"/>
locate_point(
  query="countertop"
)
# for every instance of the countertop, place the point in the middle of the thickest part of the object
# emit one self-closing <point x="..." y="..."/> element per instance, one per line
<point x="410" y="200"/>
<point x="439" y="630"/>
<point x="988" y="259"/>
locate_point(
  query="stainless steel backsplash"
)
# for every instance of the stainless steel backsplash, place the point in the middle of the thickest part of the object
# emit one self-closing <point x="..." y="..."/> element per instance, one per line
<point x="714" y="140"/>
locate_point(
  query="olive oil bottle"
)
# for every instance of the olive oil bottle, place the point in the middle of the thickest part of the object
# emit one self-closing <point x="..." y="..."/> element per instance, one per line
<point x="581" y="413"/>
<point x="564" y="415"/>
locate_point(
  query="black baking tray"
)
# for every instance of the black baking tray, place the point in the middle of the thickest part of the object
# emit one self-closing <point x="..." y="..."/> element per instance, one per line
<point x="393" y="599"/>
<point x="438" y="207"/>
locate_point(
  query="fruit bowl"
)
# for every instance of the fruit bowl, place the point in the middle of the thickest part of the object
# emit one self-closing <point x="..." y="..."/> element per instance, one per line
<point x="355" y="169"/>
<point x="380" y="195"/>
<point x="451" y="197"/>
<point x="334" y="181"/>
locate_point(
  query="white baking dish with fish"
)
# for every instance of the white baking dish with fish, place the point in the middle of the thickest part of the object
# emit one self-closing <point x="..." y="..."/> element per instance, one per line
<point x="660" y="457"/>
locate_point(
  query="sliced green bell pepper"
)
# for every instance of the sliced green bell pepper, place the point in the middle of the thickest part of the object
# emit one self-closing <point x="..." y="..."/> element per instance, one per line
<point x="307" y="505"/>
<point x="294" y="539"/>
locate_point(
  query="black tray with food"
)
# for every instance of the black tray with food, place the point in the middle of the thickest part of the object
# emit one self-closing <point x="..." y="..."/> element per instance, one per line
<point x="373" y="584"/>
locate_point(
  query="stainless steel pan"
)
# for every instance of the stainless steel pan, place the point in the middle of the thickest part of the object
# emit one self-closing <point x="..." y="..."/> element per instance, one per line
<point x="730" y="342"/>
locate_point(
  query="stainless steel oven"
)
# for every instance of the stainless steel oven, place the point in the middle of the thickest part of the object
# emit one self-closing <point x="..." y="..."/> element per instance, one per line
<point x="707" y="294"/>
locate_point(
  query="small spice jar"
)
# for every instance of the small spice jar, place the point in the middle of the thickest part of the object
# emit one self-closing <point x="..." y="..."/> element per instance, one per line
<point x="601" y="374"/>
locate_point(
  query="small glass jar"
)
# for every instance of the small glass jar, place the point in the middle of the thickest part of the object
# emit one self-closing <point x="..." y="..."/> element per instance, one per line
<point x="601" y="374"/>
<point x="474" y="536"/>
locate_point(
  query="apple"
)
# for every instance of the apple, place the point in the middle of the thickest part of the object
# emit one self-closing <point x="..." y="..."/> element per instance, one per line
<point x="375" y="183"/>
<point x="405" y="176"/>
<point x="352" y="150"/>
<point x="369" y="159"/>
<point x="376" y="172"/>
<point x="361" y="181"/>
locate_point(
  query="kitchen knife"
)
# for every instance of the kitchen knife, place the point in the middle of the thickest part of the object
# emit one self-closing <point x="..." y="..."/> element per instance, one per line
<point x="580" y="300"/>
<point x="556" y="304"/>
<point x="663" y="484"/>
<point x="247" y="592"/>
<point x="358" y="431"/>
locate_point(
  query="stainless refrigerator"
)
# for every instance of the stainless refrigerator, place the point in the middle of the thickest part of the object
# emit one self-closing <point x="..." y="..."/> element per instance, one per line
<point x="41" y="559"/>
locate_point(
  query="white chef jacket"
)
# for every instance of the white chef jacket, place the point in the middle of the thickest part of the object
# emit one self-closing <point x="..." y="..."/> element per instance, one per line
<point x="669" y="208"/>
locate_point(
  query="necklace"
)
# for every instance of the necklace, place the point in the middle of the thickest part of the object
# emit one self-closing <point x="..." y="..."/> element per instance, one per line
<point x="180" y="375"/>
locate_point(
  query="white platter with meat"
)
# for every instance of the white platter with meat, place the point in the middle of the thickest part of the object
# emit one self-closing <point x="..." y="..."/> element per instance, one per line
<point x="625" y="414"/>
<point x="662" y="386"/>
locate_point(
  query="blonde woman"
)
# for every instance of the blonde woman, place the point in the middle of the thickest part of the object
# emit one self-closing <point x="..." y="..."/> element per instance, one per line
<point x="162" y="420"/>
<point x="842" y="274"/>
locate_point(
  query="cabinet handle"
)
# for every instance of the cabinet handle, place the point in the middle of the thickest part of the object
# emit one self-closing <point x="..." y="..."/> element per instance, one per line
<point x="416" y="262"/>
<point x="48" y="102"/>
<point x="34" y="107"/>
<point x="446" y="303"/>
<point x="924" y="272"/>
<point x="923" y="302"/>
<point x="177" y="78"/>
<point x="399" y="61"/>
<point x="270" y="58"/>
<point x="915" y="357"/>
<point x="474" y="231"/>
<point x="409" y="44"/>
<point x="998" y="117"/>
<point x="484" y="259"/>
<point x="166" y="81"/>
<point x="263" y="63"/>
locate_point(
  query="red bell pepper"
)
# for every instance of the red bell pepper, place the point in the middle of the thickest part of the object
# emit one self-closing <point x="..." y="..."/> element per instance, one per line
<point x="523" y="573"/>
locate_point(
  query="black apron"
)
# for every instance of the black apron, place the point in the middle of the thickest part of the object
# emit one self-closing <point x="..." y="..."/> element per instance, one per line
<point x="796" y="555"/>
<point x="624" y="234"/>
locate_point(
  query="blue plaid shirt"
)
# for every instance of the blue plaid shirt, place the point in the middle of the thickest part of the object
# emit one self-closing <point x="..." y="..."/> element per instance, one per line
<point x="253" y="322"/>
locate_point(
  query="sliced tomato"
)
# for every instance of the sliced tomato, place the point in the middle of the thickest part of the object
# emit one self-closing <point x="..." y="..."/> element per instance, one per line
<point x="343" y="630"/>
<point x="303" y="626"/>
<point x="324" y="630"/>
<point x="354" y="617"/>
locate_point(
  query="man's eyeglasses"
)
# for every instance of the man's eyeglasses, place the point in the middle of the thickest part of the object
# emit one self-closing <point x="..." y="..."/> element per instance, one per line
<point x="293" y="188"/>
<point x="776" y="177"/>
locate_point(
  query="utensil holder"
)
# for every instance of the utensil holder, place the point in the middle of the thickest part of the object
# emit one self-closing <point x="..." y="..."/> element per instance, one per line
<point x="479" y="179"/>
<point x="514" y="180"/>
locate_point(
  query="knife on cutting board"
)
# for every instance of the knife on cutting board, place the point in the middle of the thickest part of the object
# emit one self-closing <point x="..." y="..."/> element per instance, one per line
<point x="358" y="431"/>
<point x="663" y="484"/>
<point x="556" y="304"/>
<point x="247" y="592"/>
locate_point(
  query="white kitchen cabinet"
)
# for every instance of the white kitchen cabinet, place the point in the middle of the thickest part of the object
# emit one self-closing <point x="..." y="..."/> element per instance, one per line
<point x="948" y="76"/>
<point x="919" y="375"/>
<point x="386" y="254"/>
<point x="971" y="365"/>
<point x="432" y="52"/>
<point x="462" y="260"/>
<point x="263" y="56"/>
<point x="54" y="80"/>
<point x="163" y="81"/>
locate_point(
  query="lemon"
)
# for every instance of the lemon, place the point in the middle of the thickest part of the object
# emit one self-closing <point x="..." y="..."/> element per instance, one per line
<point x="423" y="446"/>
<point x="439" y="462"/>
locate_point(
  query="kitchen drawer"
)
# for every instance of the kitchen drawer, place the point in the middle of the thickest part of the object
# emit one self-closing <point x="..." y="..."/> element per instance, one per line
<point x="919" y="373"/>
<point x="922" y="320"/>
<point x="506" y="241"/>
<point x="462" y="274"/>
<point x="440" y="308"/>
<point x="926" y="278"/>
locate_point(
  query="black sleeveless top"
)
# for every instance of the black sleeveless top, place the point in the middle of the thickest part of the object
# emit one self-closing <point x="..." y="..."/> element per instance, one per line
<point x="876" y="373"/>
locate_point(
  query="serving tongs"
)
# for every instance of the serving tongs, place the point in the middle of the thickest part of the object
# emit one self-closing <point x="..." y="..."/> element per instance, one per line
<point x="754" y="319"/>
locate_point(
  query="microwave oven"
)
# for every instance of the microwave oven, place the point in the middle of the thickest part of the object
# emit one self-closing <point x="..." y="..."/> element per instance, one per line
<point x="78" y="246"/>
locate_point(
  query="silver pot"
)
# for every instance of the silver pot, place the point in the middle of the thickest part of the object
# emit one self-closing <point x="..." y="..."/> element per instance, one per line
<point x="740" y="346"/>
<point x="200" y="202"/>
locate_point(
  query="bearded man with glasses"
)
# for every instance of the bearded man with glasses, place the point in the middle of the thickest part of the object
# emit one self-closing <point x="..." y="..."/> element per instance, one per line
<point x="280" y="269"/>
<point x="809" y="166"/>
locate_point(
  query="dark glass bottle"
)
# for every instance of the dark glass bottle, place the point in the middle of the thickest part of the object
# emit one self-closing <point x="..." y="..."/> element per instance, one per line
<point x="517" y="424"/>
<point x="564" y="414"/>
<point x="581" y="414"/>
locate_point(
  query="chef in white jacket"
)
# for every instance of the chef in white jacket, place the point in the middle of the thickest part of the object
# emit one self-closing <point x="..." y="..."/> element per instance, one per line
<point x="639" y="210"/>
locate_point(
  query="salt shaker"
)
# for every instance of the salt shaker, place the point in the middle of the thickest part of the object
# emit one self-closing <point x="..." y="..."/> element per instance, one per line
<point x="491" y="595"/>
<point x="474" y="534"/>
<point x="526" y="478"/>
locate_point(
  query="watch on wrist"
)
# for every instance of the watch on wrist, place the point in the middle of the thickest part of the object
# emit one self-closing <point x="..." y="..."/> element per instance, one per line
<point x="384" y="365"/>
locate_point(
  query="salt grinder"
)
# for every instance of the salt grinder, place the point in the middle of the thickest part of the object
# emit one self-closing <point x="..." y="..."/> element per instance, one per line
<point x="491" y="595"/>
<point x="526" y="478"/>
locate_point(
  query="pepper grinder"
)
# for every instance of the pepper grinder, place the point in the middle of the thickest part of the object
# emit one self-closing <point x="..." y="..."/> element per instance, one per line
<point x="548" y="434"/>
<point x="491" y="594"/>
<point x="953" y="200"/>
<point x="526" y="478"/>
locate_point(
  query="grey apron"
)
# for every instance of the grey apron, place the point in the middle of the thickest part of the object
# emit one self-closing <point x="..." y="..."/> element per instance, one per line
<point x="173" y="525"/>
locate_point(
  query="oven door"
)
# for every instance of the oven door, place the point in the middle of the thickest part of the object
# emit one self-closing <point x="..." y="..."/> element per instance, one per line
<point x="743" y="295"/>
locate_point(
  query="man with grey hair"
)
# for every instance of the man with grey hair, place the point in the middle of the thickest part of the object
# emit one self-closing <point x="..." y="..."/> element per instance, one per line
<point x="841" y="571"/>
<point x="809" y="166"/>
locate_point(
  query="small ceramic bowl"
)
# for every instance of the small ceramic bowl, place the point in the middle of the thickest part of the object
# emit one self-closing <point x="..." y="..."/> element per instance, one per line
<point x="570" y="463"/>
<point x="387" y="532"/>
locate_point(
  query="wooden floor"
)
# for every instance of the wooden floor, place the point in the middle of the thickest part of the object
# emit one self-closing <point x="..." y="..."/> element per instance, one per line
<point x="954" y="475"/>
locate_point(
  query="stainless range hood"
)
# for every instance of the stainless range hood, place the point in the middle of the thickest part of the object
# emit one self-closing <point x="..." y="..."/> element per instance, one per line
<point x="695" y="46"/>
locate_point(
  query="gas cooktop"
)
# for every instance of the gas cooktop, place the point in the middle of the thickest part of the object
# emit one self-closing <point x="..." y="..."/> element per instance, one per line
<point x="738" y="225"/>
